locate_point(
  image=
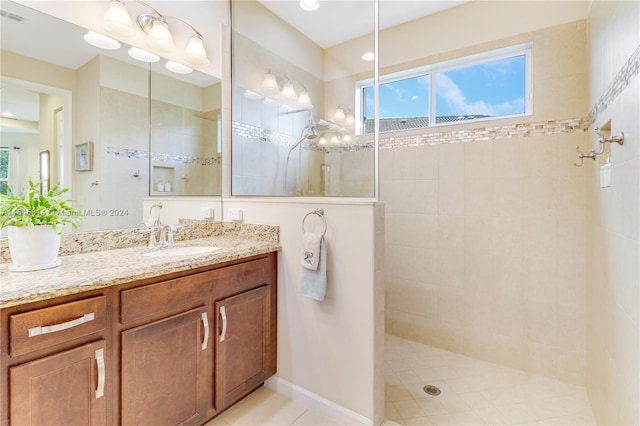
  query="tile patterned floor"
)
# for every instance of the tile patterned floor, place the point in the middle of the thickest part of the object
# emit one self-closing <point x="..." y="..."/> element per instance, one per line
<point x="267" y="407"/>
<point x="474" y="392"/>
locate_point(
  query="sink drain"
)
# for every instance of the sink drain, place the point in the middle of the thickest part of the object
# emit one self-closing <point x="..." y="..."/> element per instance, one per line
<point x="431" y="390"/>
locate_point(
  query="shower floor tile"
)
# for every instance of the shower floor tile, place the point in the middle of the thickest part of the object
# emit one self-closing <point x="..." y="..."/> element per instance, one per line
<point x="473" y="392"/>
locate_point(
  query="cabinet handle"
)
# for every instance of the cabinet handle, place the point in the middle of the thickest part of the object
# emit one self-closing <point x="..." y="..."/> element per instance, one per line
<point x="101" y="375"/>
<point x="205" y="323"/>
<point x="223" y="314"/>
<point x="36" y="331"/>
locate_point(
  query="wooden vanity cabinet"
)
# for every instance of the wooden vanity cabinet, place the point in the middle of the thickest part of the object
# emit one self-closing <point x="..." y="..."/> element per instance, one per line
<point x="173" y="357"/>
<point x="62" y="389"/>
<point x="163" y="374"/>
<point x="243" y="346"/>
<point x="56" y="362"/>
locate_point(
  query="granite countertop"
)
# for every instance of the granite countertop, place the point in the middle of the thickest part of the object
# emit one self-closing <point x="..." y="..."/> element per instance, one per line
<point x="90" y="271"/>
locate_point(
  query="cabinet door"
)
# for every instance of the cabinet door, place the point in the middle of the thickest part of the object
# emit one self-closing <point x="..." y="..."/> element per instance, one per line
<point x="243" y="344"/>
<point x="62" y="389"/>
<point x="163" y="375"/>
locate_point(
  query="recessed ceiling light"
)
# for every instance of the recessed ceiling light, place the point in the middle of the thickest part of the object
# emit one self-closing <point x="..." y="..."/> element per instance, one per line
<point x="101" y="41"/>
<point x="369" y="56"/>
<point x="309" y="5"/>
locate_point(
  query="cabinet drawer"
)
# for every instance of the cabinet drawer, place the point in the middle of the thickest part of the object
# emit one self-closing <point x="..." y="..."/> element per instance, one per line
<point x="141" y="302"/>
<point x="46" y="327"/>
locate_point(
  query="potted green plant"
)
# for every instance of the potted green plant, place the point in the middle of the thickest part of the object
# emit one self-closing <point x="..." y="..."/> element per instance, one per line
<point x="34" y="225"/>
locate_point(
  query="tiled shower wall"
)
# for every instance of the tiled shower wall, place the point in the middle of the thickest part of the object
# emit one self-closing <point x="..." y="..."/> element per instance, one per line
<point x="613" y="254"/>
<point x="485" y="244"/>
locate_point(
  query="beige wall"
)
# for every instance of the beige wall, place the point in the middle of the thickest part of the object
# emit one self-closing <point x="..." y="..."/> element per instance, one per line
<point x="613" y="245"/>
<point x="333" y="348"/>
<point x="485" y="251"/>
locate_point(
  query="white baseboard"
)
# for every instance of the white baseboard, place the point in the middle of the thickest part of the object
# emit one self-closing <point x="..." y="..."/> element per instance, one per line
<point x="317" y="403"/>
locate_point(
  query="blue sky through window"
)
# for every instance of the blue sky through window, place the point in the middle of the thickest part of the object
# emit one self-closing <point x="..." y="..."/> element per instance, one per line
<point x="494" y="88"/>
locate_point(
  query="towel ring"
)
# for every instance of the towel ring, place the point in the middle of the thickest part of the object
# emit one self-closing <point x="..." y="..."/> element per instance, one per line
<point x="317" y="212"/>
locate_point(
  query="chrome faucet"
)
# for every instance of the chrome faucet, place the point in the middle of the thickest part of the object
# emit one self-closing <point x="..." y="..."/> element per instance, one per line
<point x="166" y="236"/>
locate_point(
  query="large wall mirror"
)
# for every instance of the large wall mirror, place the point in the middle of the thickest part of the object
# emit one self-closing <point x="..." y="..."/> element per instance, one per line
<point x="153" y="133"/>
<point x="299" y="115"/>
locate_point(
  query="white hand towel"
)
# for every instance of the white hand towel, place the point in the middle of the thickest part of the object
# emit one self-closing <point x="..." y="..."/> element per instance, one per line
<point x="310" y="250"/>
<point x="313" y="284"/>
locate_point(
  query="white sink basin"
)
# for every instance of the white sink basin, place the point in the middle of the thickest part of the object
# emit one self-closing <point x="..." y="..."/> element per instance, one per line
<point x="181" y="251"/>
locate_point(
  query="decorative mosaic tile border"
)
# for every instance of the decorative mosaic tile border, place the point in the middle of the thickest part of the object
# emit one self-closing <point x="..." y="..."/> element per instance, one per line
<point x="162" y="158"/>
<point x="628" y="72"/>
<point x="520" y="130"/>
<point x="539" y="128"/>
<point x="253" y="132"/>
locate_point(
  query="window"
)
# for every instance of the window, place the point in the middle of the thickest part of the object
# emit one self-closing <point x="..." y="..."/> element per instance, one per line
<point x="486" y="86"/>
<point x="4" y="170"/>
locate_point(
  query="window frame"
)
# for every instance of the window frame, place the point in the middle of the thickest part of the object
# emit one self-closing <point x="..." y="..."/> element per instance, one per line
<point x="6" y="180"/>
<point x="524" y="49"/>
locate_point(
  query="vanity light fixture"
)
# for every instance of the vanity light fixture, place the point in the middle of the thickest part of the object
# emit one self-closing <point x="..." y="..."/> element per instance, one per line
<point x="159" y="36"/>
<point x="309" y="5"/>
<point x="270" y="82"/>
<point x="343" y="113"/>
<point x="116" y="19"/>
<point x="155" y="25"/>
<point x="101" y="41"/>
<point x="304" y="100"/>
<point x="287" y="90"/>
<point x="195" y="52"/>
<point x="143" y="55"/>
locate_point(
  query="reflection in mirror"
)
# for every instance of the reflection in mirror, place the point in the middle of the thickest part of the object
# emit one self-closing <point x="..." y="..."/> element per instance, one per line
<point x="185" y="134"/>
<point x="64" y="92"/>
<point x="296" y="79"/>
<point x="45" y="181"/>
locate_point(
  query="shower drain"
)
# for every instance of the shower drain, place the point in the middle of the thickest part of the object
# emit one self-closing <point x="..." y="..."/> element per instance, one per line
<point x="431" y="390"/>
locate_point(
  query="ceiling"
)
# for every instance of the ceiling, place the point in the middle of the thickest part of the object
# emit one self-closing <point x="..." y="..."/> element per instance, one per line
<point x="338" y="21"/>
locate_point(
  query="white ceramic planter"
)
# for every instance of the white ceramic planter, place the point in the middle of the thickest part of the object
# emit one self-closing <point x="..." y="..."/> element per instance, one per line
<point x="33" y="248"/>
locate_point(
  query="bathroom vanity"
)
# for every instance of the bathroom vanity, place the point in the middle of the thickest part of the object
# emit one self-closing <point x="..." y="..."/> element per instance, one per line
<point x="177" y="342"/>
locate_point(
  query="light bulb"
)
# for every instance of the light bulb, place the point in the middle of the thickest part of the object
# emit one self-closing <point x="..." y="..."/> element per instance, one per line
<point x="288" y="91"/>
<point x="334" y="139"/>
<point x="195" y="53"/>
<point x="177" y="68"/>
<point x="339" y="114"/>
<point x="116" y="19"/>
<point x="309" y="5"/>
<point x="101" y="41"/>
<point x="159" y="36"/>
<point x="143" y="55"/>
<point x="346" y="138"/>
<point x="322" y="141"/>
<point x="270" y="81"/>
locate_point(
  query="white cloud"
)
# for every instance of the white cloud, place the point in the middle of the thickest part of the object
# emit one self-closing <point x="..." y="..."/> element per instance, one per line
<point x="456" y="100"/>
